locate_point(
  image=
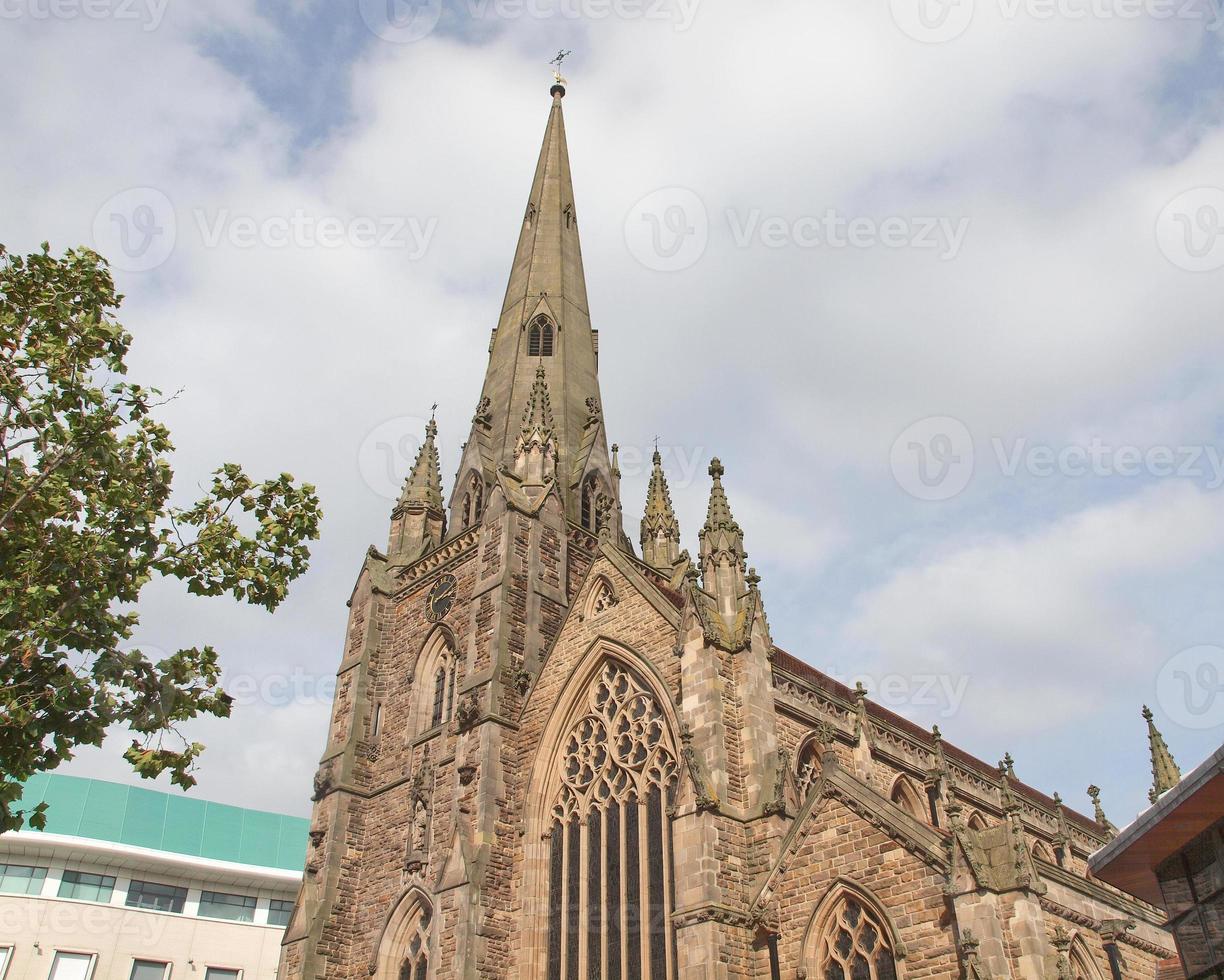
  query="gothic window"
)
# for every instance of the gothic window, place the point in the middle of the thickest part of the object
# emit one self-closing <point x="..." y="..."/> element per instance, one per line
<point x="472" y="504"/>
<point x="807" y="768"/>
<point x="540" y="339"/>
<point x="437" y="676"/>
<point x="977" y="821"/>
<point x="589" y="512"/>
<point x="609" y="859"/>
<point x="1042" y="850"/>
<point x="854" y="945"/>
<point x="906" y="797"/>
<point x="415" y="964"/>
<point x="602" y="598"/>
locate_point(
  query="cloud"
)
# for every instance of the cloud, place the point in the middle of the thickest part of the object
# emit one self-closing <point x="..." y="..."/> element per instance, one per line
<point x="1061" y="142"/>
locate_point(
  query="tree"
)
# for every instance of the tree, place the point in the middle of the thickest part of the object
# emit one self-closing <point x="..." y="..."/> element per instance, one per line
<point x="86" y="523"/>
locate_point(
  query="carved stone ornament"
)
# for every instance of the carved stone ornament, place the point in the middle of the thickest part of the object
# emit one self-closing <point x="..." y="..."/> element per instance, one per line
<point x="323" y="782"/>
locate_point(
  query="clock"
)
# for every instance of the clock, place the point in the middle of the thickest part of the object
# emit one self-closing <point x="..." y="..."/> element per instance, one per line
<point x="440" y="599"/>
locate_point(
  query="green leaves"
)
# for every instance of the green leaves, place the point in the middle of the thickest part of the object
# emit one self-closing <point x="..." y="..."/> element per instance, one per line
<point x="85" y="524"/>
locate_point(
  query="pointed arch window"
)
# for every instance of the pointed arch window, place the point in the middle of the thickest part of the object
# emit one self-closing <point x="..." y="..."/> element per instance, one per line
<point x="854" y="944"/>
<point x="415" y="964"/>
<point x="592" y="515"/>
<point x="906" y="797"/>
<point x="438" y="675"/>
<point x="977" y="821"/>
<point x="609" y="861"/>
<point x="472" y="505"/>
<point x="807" y="767"/>
<point x="540" y="338"/>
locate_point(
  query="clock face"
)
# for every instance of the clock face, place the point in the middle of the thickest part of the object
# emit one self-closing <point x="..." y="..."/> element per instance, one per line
<point x="440" y="599"/>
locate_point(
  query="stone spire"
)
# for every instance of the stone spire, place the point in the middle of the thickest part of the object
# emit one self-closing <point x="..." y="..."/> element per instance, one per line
<point x="660" y="529"/>
<point x="418" y="522"/>
<point x="722" y="548"/>
<point x="545" y="325"/>
<point x="1165" y="774"/>
<point x="535" y="449"/>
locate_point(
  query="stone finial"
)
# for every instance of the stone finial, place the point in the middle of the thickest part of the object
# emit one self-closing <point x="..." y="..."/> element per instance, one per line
<point x="535" y="450"/>
<point x="1007" y="766"/>
<point x="1094" y="794"/>
<point x="424" y="483"/>
<point x="418" y="521"/>
<point x="722" y="548"/>
<point x="660" y="529"/>
<point x="1165" y="774"/>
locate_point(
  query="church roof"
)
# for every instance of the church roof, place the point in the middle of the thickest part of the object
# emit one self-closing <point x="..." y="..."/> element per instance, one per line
<point x="822" y="681"/>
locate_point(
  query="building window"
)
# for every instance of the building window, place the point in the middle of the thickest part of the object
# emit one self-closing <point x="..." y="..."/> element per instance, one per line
<point x="906" y="797"/>
<point x="590" y="513"/>
<point x="149" y="970"/>
<point x="1192" y="883"/>
<point x="609" y="862"/>
<point x="6" y="954"/>
<point x="279" y="912"/>
<point x="854" y="945"/>
<point x="71" y="966"/>
<point x="21" y="879"/>
<point x="86" y="887"/>
<point x="219" y="905"/>
<point x="221" y="973"/>
<point x="473" y="501"/>
<point x="156" y="897"/>
<point x="415" y="965"/>
<point x="376" y="720"/>
<point x="807" y="768"/>
<point x="540" y="339"/>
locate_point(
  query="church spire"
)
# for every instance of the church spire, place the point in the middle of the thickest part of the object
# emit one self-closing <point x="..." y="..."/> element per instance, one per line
<point x="544" y="329"/>
<point x="1165" y="774"/>
<point x="660" y="529"/>
<point x="418" y="522"/>
<point x="722" y="548"/>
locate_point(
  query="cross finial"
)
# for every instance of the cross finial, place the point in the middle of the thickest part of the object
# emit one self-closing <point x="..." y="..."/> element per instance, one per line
<point x="562" y="54"/>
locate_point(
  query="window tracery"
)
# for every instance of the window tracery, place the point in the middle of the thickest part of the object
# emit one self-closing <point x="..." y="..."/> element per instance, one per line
<point x="415" y="964"/>
<point x="807" y="768"/>
<point x="855" y="945"/>
<point x="540" y="338"/>
<point x="609" y="862"/>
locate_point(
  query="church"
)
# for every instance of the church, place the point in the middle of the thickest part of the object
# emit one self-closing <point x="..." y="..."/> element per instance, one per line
<point x="555" y="756"/>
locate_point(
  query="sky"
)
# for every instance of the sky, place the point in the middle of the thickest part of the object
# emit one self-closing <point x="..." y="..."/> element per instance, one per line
<point x="939" y="281"/>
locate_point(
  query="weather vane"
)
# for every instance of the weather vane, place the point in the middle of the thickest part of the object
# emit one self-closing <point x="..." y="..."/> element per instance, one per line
<point x="562" y="54"/>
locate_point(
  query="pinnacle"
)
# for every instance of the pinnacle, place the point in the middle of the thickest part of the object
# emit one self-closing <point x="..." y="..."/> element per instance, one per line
<point x="718" y="514"/>
<point x="1165" y="773"/>
<point x="424" y="483"/>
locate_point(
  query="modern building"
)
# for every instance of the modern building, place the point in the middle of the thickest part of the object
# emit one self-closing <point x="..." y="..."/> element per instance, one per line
<point x="128" y="883"/>
<point x="554" y="756"/>
<point x="1173" y="856"/>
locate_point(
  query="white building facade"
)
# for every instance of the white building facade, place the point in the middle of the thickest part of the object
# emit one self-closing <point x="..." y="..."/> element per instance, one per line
<point x="80" y="906"/>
